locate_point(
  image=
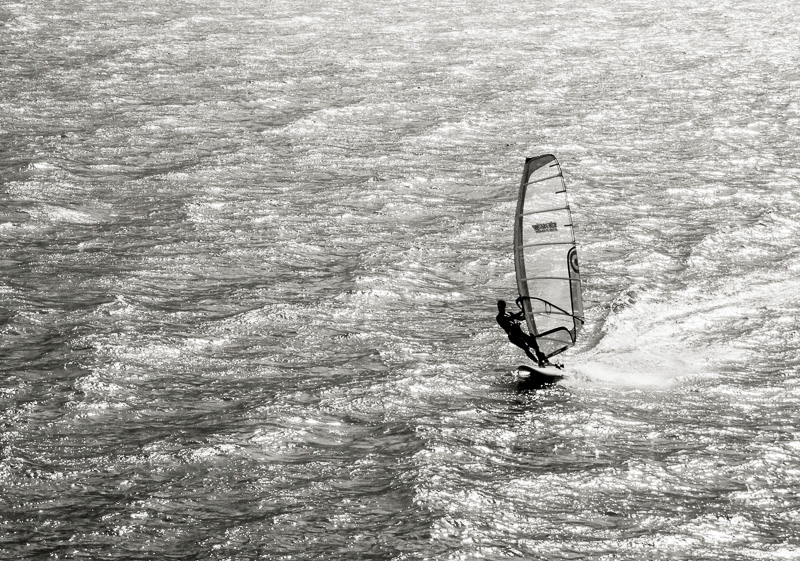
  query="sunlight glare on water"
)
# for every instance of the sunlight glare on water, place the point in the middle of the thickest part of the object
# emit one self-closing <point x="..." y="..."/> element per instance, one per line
<point x="251" y="254"/>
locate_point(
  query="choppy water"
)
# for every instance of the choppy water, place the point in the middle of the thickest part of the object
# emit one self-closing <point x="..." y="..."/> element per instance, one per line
<point x="247" y="310"/>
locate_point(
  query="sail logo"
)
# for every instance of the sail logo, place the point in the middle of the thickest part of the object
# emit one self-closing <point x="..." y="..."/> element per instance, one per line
<point x="546" y="227"/>
<point x="572" y="257"/>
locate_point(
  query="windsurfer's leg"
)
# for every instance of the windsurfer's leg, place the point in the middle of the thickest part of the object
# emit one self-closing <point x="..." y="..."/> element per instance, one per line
<point x="533" y="357"/>
<point x="527" y="344"/>
<point x="536" y="355"/>
<point x="523" y="344"/>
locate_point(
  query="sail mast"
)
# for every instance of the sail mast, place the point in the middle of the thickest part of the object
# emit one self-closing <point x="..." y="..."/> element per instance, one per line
<point x="519" y="256"/>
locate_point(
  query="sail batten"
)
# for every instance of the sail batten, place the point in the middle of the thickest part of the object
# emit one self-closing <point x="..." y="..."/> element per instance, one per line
<point x="547" y="243"/>
<point x="545" y="257"/>
<point x="539" y="211"/>
<point x="553" y="278"/>
<point x="544" y="178"/>
<point x="557" y="314"/>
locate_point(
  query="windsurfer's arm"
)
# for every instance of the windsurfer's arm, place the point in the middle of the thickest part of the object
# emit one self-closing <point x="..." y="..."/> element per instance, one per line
<point x="521" y="313"/>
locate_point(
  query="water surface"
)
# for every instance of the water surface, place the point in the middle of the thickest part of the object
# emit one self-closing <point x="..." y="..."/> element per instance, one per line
<point x="249" y="280"/>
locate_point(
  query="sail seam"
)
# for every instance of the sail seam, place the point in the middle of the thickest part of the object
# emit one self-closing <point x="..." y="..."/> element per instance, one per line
<point x="545" y="210"/>
<point x="553" y="278"/>
<point x="552" y="339"/>
<point x="547" y="243"/>
<point x="567" y="314"/>
<point x="543" y="179"/>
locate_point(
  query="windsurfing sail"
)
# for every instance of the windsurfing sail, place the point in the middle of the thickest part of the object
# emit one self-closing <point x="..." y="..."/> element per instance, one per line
<point x="545" y="257"/>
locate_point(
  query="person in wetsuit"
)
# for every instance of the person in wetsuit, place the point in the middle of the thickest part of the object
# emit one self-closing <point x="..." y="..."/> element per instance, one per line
<point x="510" y="324"/>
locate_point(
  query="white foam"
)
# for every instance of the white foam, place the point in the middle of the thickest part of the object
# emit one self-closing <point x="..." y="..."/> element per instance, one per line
<point x="660" y="338"/>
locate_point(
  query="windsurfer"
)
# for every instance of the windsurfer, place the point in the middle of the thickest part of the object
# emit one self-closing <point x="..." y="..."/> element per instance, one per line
<point x="510" y="324"/>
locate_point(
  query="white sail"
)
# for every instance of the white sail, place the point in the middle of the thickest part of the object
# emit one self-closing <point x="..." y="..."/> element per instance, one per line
<point x="545" y="257"/>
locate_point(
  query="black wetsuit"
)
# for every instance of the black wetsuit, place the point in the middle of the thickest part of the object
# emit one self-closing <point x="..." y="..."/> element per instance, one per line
<point x="510" y="324"/>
